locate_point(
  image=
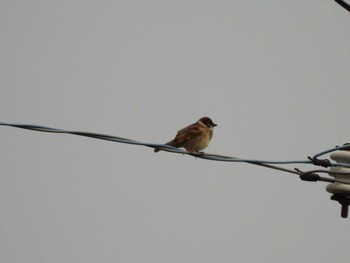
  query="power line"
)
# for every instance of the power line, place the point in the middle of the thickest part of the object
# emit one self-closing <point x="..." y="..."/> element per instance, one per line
<point x="338" y="187"/>
<point x="306" y="176"/>
<point x="343" y="4"/>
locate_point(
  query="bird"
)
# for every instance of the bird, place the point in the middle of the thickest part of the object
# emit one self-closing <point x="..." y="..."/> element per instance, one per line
<point x="194" y="137"/>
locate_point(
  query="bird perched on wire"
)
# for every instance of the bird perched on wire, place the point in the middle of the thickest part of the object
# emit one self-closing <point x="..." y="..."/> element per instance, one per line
<point x="194" y="137"/>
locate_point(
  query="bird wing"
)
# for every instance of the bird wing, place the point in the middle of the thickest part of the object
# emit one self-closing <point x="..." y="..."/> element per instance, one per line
<point x="186" y="134"/>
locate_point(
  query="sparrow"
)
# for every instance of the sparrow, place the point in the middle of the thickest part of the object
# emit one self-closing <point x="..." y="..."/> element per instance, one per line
<point x="194" y="137"/>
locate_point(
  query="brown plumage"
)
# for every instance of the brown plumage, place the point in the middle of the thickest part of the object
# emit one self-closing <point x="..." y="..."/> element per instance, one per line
<point x="194" y="137"/>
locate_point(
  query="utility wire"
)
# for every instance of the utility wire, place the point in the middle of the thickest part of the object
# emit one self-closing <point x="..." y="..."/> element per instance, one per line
<point x="337" y="148"/>
<point x="343" y="4"/>
<point x="307" y="176"/>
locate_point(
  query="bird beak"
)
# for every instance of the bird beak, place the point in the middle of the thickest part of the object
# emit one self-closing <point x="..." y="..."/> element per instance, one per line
<point x="214" y="125"/>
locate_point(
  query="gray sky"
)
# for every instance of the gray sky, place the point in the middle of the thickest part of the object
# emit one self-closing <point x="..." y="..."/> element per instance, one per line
<point x="274" y="75"/>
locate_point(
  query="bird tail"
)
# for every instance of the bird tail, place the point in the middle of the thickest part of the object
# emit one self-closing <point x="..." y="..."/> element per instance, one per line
<point x="171" y="143"/>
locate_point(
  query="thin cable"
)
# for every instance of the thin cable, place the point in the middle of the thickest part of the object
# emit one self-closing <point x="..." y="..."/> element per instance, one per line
<point x="337" y="148"/>
<point x="206" y="156"/>
<point x="341" y="165"/>
<point x="312" y="176"/>
<point x="343" y="4"/>
<point x="329" y="172"/>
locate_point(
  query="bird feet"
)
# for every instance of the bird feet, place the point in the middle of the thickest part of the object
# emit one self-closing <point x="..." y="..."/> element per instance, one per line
<point x="197" y="153"/>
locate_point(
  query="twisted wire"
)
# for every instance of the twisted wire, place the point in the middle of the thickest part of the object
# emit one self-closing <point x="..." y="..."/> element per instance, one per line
<point x="207" y="156"/>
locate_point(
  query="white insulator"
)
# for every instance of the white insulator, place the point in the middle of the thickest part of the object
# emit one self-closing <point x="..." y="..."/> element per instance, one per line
<point x="341" y="156"/>
<point x="339" y="188"/>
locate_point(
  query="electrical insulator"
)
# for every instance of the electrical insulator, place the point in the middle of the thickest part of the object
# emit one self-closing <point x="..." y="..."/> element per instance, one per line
<point x="340" y="191"/>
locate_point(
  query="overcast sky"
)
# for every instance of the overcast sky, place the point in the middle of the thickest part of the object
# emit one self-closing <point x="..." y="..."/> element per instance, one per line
<point x="274" y="76"/>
